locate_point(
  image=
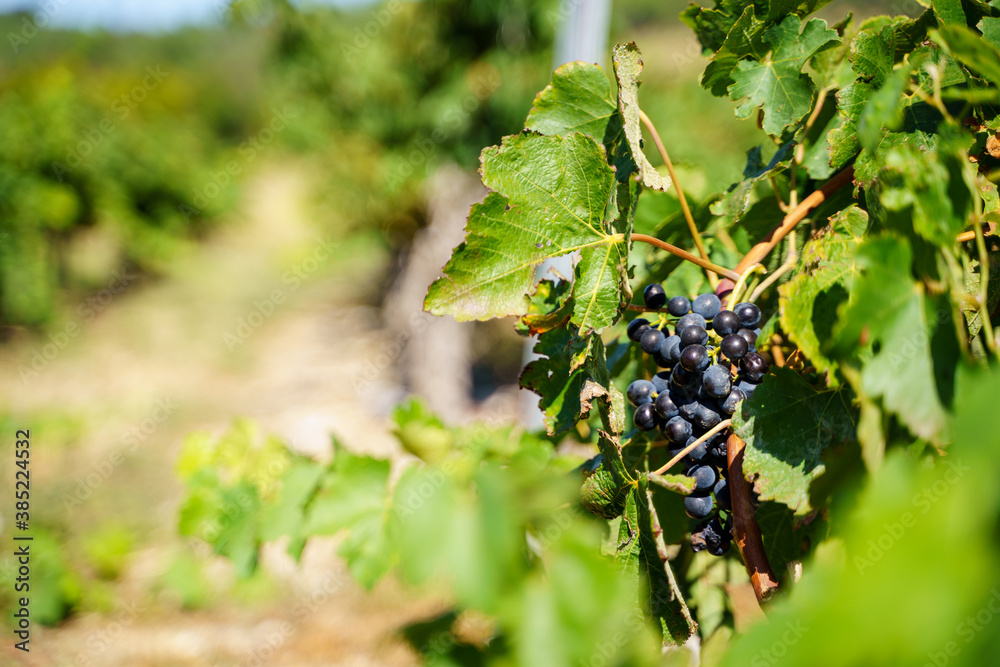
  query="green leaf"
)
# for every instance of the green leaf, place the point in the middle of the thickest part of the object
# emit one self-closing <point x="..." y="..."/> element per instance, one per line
<point x="778" y="85"/>
<point x="421" y="432"/>
<point x="628" y="67"/>
<point x="639" y="556"/>
<point x="550" y="199"/>
<point x="972" y="50"/>
<point x="286" y="515"/>
<point x="912" y="368"/>
<point x="949" y="12"/>
<point x="731" y="206"/>
<point x="551" y="307"/>
<point x="786" y="425"/>
<point x="884" y="109"/>
<point x="745" y="38"/>
<point x="353" y="496"/>
<point x="558" y="377"/>
<point x="579" y="99"/>
<point x="808" y="302"/>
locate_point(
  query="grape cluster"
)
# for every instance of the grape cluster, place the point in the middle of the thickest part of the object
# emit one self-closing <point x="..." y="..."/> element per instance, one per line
<point x="710" y="364"/>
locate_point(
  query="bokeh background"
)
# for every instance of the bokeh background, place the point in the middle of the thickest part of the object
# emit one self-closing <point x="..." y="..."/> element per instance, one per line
<point x="215" y="211"/>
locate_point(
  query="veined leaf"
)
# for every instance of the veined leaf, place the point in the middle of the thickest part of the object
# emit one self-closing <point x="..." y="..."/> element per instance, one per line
<point x="778" y="85"/>
<point x="628" y="67"/>
<point x="809" y="301"/>
<point x="579" y="99"/>
<point x="786" y="425"/>
<point x="550" y="196"/>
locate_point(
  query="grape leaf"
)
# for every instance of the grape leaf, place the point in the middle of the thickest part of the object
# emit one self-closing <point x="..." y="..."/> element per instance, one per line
<point x="550" y="308"/>
<point x="972" y="50"/>
<point x="579" y="99"/>
<point x="638" y="556"/>
<point x="559" y="376"/>
<point x="912" y="369"/>
<point x="778" y="85"/>
<point x="744" y="39"/>
<point x="809" y="301"/>
<point x="628" y="67"/>
<point x="786" y="425"/>
<point x="353" y="496"/>
<point x="731" y="206"/>
<point x="550" y="196"/>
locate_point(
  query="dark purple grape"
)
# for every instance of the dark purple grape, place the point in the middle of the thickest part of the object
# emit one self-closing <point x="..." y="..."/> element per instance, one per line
<point x="747" y="387"/>
<point x="717" y="381"/>
<point x="677" y="429"/>
<point x="651" y="340"/>
<point x="654" y="296"/>
<point x="636" y="328"/>
<point x="698" y="507"/>
<point x="661" y="381"/>
<point x="670" y="348"/>
<point x="682" y="378"/>
<point x="704" y="476"/>
<point x="748" y="313"/>
<point x="665" y="406"/>
<point x="754" y="367"/>
<point x="640" y="392"/>
<point x="734" y="346"/>
<point x="721" y="491"/>
<point x="693" y="335"/>
<point x="749" y="335"/>
<point x="694" y="358"/>
<point x="726" y="322"/>
<point x="645" y="417"/>
<point x="732" y="400"/>
<point x="706" y="305"/>
<point x="678" y="306"/>
<point x="705" y="417"/>
<point x="691" y="319"/>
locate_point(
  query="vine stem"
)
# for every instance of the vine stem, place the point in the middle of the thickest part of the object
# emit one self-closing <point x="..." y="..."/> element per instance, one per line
<point x="695" y="234"/>
<point x="746" y="531"/>
<point x="684" y="254"/>
<point x="794" y="217"/>
<point x="687" y="450"/>
<point x="984" y="285"/>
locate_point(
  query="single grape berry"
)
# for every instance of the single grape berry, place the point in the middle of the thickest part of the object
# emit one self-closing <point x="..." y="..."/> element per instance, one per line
<point x="691" y="319"/>
<point x="716" y="381"/>
<point x="706" y="305"/>
<point x="654" y="296"/>
<point x="678" y="306"/>
<point x="705" y="417"/>
<point x="748" y="313"/>
<point x="698" y="453"/>
<point x="726" y="322"/>
<point x="677" y="429"/>
<point x="694" y="358"/>
<point x="640" y="392"/>
<point x="693" y="335"/>
<point x="704" y="476"/>
<point x="747" y="387"/>
<point x="636" y="328"/>
<point x="670" y="348"/>
<point x="754" y="367"/>
<point x="651" y="340"/>
<point x="682" y="378"/>
<point x="687" y="406"/>
<point x="728" y="405"/>
<point x="645" y="417"/>
<point x="749" y="335"/>
<point x="661" y="381"/>
<point x="665" y="406"/>
<point x="698" y="507"/>
<point x="734" y="347"/>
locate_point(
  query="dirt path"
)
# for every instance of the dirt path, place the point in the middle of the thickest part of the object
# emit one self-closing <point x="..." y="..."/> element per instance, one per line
<point x="259" y="322"/>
